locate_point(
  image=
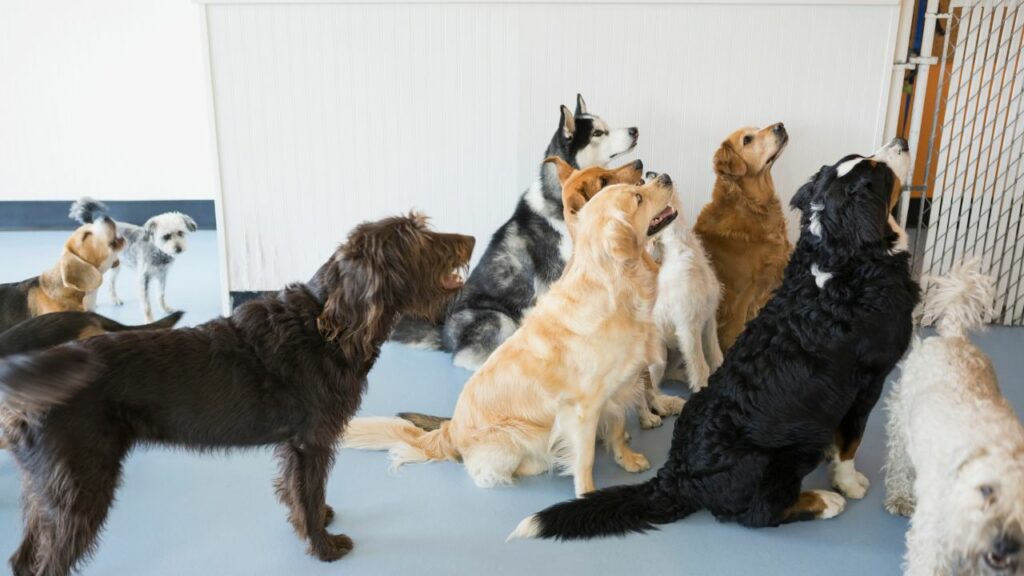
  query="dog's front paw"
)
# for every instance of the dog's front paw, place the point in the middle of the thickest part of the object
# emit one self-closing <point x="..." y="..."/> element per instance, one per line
<point x="900" y="506"/>
<point x="667" y="405"/>
<point x="117" y="302"/>
<point x="633" y="461"/>
<point x="333" y="547"/>
<point x="650" y="420"/>
<point x="849" y="481"/>
<point x="834" y="504"/>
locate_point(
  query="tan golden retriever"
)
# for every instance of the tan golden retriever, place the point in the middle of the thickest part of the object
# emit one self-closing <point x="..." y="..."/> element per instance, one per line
<point x="570" y="370"/>
<point x="743" y="229"/>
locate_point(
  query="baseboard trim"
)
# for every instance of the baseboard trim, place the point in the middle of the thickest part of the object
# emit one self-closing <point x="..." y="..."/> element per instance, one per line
<point x="53" y="214"/>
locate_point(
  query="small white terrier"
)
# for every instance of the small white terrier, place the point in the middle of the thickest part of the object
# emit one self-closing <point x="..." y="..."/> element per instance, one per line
<point x="956" y="448"/>
<point x="684" y="312"/>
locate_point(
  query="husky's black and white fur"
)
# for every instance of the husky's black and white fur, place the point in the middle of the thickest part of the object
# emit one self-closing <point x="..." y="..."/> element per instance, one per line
<point x="525" y="255"/>
<point x="150" y="249"/>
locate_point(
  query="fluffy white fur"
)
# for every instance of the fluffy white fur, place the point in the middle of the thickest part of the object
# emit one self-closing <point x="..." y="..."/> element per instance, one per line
<point x="956" y="448"/>
<point x="684" y="313"/>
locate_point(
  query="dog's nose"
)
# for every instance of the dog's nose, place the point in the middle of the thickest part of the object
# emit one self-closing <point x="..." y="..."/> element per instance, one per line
<point x="779" y="128"/>
<point x="1004" y="553"/>
<point x="638" y="165"/>
<point x="901" y="144"/>
<point x="665" y="180"/>
<point x="634" y="132"/>
<point x="177" y="249"/>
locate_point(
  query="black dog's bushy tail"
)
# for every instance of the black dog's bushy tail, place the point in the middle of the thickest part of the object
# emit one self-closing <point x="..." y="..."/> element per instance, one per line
<point x="86" y="210"/>
<point x="418" y="333"/>
<point x="35" y="382"/>
<point x="614" y="511"/>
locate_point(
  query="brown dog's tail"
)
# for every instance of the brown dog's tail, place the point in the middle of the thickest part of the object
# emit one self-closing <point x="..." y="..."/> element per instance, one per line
<point x="423" y="421"/>
<point x="402" y="439"/>
<point x="35" y="382"/>
<point x="166" y="322"/>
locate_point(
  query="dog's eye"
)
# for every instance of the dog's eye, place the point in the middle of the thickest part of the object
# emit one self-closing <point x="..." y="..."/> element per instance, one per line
<point x="986" y="491"/>
<point x="182" y="234"/>
<point x="639" y="199"/>
<point x="599" y="133"/>
<point x="747" y="139"/>
<point x="167" y="236"/>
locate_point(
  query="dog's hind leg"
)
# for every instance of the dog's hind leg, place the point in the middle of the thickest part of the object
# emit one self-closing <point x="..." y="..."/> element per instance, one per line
<point x="307" y="468"/>
<point x="112" y="279"/>
<point x="473" y="334"/>
<point x="697" y="371"/>
<point x="648" y="419"/>
<point x="899" y="470"/>
<point x="23" y="561"/>
<point x="144" y="279"/>
<point x="712" y="350"/>
<point x="493" y="461"/>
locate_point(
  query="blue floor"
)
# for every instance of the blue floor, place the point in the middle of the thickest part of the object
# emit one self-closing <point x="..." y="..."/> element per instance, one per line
<point x="180" y="513"/>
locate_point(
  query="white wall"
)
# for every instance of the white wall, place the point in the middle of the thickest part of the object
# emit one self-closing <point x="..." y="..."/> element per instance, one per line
<point x="330" y="114"/>
<point x="103" y="97"/>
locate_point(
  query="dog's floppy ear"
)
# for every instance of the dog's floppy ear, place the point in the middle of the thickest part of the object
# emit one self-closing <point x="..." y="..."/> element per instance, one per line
<point x="79" y="274"/>
<point x="574" y="203"/>
<point x="563" y="167"/>
<point x="149" y="228"/>
<point x="567" y="124"/>
<point x="620" y="240"/>
<point x="728" y="163"/>
<point x="190" y="224"/>
<point x="581" y="105"/>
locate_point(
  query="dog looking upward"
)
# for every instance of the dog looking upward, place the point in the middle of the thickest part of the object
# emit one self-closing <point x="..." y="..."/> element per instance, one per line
<point x="571" y="370"/>
<point x="797" y="386"/>
<point x="150" y="249"/>
<point x="956" y="448"/>
<point x="89" y="252"/>
<point x="743" y="229"/>
<point x="287" y="370"/>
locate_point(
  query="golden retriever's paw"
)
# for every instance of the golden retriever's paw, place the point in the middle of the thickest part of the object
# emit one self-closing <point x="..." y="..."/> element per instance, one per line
<point x="633" y="461"/>
<point x="666" y="405"/>
<point x="650" y="420"/>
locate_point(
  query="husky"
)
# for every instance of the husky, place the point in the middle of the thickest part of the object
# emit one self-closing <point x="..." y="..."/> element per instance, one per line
<point x="526" y="255"/>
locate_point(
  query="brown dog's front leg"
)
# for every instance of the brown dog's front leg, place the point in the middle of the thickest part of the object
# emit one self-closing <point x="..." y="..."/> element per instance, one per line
<point x="314" y="462"/>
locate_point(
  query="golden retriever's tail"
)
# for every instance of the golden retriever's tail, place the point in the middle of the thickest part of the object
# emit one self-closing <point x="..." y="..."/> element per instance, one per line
<point x="402" y="439"/>
<point x="960" y="301"/>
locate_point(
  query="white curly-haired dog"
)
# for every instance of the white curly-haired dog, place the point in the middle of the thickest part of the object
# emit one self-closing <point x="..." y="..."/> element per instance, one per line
<point x="150" y="249"/>
<point x="684" y="313"/>
<point x="956" y="448"/>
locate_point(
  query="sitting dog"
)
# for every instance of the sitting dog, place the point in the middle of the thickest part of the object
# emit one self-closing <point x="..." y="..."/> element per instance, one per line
<point x="89" y="252"/>
<point x="287" y="370"/>
<point x="526" y="254"/>
<point x="799" y="383"/>
<point x="56" y="328"/>
<point x="956" y="448"/>
<point x="688" y="296"/>
<point x="568" y="372"/>
<point x="150" y="249"/>
<point x="743" y="228"/>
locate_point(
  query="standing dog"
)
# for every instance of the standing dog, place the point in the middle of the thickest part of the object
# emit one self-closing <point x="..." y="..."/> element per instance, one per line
<point x="287" y="371"/>
<point x="743" y="228"/>
<point x="90" y="251"/>
<point x="571" y="370"/>
<point x="526" y="254"/>
<point x="688" y="296"/>
<point x="956" y="448"/>
<point x="151" y="249"/>
<point x="799" y="383"/>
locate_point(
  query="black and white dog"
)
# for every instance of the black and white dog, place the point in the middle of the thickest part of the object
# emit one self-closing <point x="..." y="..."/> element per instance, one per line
<point x="150" y="248"/>
<point x="525" y="255"/>
<point x="798" y="384"/>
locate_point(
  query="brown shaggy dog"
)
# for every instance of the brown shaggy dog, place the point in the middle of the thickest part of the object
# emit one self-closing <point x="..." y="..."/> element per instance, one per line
<point x="743" y="229"/>
<point x="287" y="370"/>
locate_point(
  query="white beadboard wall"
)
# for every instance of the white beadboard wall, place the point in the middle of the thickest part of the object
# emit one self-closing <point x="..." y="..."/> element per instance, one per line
<point x="331" y="113"/>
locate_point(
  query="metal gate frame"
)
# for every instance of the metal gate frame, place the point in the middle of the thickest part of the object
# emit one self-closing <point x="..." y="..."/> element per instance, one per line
<point x="972" y="196"/>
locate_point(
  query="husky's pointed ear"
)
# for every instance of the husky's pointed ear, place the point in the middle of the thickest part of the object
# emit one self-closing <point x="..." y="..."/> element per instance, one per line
<point x="581" y="105"/>
<point x="728" y="163"/>
<point x="563" y="167"/>
<point x="567" y="124"/>
<point x="78" y="274"/>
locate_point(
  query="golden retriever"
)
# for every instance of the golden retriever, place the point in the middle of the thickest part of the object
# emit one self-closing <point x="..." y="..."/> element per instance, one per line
<point x="743" y="229"/>
<point x="570" y="370"/>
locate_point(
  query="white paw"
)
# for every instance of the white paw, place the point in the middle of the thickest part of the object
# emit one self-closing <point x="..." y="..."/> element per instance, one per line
<point x="118" y="302"/>
<point x="900" y="506"/>
<point x="849" y="481"/>
<point x="834" y="503"/>
<point x="633" y="461"/>
<point x="650" y="420"/>
<point x="666" y="405"/>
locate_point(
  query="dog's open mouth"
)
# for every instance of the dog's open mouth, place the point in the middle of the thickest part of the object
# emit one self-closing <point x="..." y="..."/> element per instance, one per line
<point x="663" y="219"/>
<point x="454" y="280"/>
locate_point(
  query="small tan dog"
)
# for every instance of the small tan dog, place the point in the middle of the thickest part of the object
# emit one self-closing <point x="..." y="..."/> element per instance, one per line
<point x="570" y="370"/>
<point x="743" y="229"/>
<point x="579" y="186"/>
<point x="89" y="252"/>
